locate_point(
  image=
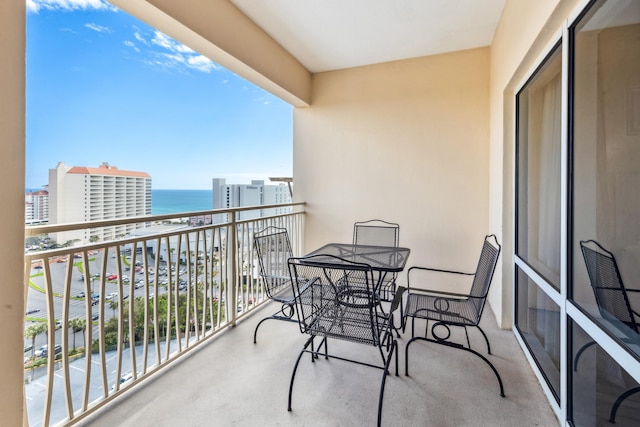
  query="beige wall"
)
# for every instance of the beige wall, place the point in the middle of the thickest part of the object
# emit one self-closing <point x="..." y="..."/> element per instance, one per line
<point x="12" y="156"/>
<point x="524" y="33"/>
<point x="406" y="142"/>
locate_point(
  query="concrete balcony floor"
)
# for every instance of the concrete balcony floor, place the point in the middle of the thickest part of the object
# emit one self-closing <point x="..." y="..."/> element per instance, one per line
<point x="232" y="382"/>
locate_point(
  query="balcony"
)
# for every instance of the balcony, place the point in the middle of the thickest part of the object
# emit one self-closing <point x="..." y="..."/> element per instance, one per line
<point x="213" y="369"/>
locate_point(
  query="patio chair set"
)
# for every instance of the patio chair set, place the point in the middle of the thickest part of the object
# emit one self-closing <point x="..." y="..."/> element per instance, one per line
<point x="349" y="292"/>
<point x="340" y="291"/>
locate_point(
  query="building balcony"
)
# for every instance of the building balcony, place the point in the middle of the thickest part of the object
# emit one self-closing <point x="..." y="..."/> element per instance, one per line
<point x="169" y="276"/>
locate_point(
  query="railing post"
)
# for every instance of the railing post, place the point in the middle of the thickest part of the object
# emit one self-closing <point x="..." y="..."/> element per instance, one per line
<point x="232" y="276"/>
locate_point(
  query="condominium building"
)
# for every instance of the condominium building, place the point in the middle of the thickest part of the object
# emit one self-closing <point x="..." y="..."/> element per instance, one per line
<point x="83" y="194"/>
<point x="254" y="194"/>
<point x="36" y="206"/>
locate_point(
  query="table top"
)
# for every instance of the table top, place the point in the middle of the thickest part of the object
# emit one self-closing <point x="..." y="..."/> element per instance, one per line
<point x="381" y="258"/>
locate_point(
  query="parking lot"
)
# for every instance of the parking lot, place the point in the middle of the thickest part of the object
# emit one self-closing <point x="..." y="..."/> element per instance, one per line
<point x="95" y="298"/>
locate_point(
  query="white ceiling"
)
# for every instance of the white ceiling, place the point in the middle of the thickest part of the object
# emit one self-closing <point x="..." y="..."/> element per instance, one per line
<point x="335" y="34"/>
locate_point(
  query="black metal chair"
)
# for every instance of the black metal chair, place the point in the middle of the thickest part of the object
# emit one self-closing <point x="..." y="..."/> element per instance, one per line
<point x="377" y="232"/>
<point x="612" y="301"/>
<point x="448" y="309"/>
<point x="336" y="299"/>
<point x="273" y="248"/>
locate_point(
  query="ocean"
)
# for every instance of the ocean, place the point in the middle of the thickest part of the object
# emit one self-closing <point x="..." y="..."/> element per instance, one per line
<point x="165" y="202"/>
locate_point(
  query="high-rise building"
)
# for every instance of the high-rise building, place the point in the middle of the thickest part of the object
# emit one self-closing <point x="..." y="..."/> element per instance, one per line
<point x="83" y="194"/>
<point x="36" y="206"/>
<point x="254" y="194"/>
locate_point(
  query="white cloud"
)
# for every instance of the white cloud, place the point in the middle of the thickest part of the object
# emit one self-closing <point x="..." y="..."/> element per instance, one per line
<point x="131" y="44"/>
<point x="162" y="40"/>
<point x="201" y="63"/>
<point x="68" y="5"/>
<point x="184" y="49"/>
<point x="98" y="28"/>
<point x="141" y="39"/>
<point x="179" y="55"/>
<point x="175" y="58"/>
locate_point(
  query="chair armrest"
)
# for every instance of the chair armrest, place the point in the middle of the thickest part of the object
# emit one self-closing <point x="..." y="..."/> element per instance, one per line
<point x="441" y="293"/>
<point x="275" y="276"/>
<point x="307" y="285"/>
<point x="397" y="299"/>
<point x="632" y="290"/>
<point x="436" y="270"/>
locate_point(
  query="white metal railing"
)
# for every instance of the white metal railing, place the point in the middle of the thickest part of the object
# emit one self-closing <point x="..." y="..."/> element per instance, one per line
<point x="122" y="310"/>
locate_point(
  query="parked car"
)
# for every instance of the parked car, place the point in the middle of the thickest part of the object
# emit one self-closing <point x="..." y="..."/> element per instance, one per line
<point x="44" y="350"/>
<point x="81" y="295"/>
<point x="41" y="351"/>
<point x="125" y="379"/>
<point x="112" y="277"/>
<point x="95" y="316"/>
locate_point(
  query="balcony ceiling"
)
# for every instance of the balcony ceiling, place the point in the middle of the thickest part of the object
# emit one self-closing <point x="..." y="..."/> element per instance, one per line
<point x="329" y="35"/>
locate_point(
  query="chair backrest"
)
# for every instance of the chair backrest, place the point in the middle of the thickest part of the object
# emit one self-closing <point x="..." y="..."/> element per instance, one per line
<point x="376" y="232"/>
<point x="273" y="248"/>
<point x="608" y="288"/>
<point x="484" y="272"/>
<point x="336" y="298"/>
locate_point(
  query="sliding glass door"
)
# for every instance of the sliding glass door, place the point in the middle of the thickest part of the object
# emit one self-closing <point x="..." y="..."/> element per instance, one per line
<point x="577" y="256"/>
<point x="605" y="211"/>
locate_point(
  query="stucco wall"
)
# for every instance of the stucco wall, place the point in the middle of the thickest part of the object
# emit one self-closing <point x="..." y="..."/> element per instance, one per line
<point x="523" y="35"/>
<point x="12" y="156"/>
<point x="406" y="142"/>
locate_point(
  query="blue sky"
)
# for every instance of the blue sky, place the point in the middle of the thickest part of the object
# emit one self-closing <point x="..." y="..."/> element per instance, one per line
<point x="104" y="87"/>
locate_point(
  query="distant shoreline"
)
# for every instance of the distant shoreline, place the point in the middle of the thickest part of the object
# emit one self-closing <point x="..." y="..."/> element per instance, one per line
<point x="175" y="201"/>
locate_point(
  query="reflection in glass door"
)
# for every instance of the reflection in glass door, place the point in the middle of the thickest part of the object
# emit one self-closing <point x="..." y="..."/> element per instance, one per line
<point x="605" y="217"/>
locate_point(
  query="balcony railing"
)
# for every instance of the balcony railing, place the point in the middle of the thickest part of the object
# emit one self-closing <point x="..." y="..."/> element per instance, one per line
<point x="114" y="313"/>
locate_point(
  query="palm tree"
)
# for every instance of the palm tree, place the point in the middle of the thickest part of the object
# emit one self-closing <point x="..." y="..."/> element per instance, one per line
<point x="77" y="325"/>
<point x="32" y="332"/>
<point x="114" y="306"/>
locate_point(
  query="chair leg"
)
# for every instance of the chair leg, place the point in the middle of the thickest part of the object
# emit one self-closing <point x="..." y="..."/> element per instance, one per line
<point x="618" y="402"/>
<point x="485" y="338"/>
<point x="255" y="333"/>
<point x="288" y="317"/>
<point x="394" y="348"/>
<point x="295" y="368"/>
<point x="454" y="345"/>
<point x="579" y="353"/>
